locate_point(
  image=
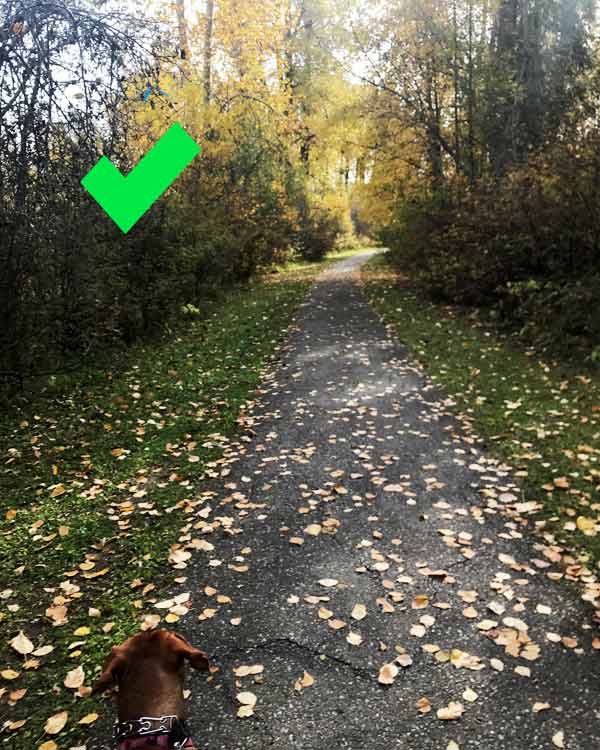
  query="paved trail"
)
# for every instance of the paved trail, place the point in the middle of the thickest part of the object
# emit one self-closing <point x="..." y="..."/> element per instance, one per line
<point x="349" y="438"/>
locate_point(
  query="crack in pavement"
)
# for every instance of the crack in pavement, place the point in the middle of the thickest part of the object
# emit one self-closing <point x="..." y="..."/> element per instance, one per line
<point x="316" y="652"/>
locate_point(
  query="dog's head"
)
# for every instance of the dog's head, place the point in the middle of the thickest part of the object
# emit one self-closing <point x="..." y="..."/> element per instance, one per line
<point x="165" y="650"/>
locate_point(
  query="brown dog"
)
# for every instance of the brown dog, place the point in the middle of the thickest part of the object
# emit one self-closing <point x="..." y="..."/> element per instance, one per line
<point x="149" y="670"/>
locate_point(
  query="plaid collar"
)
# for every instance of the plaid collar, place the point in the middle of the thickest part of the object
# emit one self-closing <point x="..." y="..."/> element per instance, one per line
<point x="169" y="732"/>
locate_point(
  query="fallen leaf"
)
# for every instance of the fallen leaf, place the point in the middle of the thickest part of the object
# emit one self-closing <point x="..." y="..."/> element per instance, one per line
<point x="359" y="612"/>
<point x="587" y="526"/>
<point x="314" y="529"/>
<point x="387" y="674"/>
<point x="305" y="681"/>
<point x="88" y="719"/>
<point x="246" y="698"/>
<point x="75" y="678"/>
<point x="56" y="723"/>
<point x="486" y="625"/>
<point x="22" y="644"/>
<point x="17" y="724"/>
<point x="250" y="669"/>
<point x="451" y="712"/>
<point x="523" y="671"/>
<point x="328" y="583"/>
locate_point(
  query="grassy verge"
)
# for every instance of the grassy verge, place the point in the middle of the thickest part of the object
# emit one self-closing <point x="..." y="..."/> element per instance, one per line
<point x="543" y="417"/>
<point x="96" y="477"/>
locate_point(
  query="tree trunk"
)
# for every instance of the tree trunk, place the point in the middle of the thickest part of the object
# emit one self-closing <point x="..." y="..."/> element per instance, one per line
<point x="182" y="30"/>
<point x="208" y="36"/>
<point x="471" y="100"/>
<point x="456" y="82"/>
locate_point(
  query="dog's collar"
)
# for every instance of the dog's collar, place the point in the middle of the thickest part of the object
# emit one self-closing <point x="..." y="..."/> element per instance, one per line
<point x="169" y="732"/>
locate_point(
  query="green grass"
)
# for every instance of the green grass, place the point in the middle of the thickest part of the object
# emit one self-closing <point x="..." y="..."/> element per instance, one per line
<point x="543" y="417"/>
<point x="96" y="469"/>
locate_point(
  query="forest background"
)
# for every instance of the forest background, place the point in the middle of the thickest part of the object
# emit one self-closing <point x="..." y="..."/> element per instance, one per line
<point x="463" y="134"/>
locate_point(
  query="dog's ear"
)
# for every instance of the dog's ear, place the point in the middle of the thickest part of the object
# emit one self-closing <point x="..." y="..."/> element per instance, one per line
<point x="197" y="659"/>
<point x="114" y="664"/>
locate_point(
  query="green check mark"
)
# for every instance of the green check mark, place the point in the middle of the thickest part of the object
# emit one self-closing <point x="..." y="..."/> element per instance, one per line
<point x="126" y="199"/>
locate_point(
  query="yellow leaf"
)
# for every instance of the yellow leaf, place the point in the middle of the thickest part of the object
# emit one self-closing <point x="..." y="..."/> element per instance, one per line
<point x="9" y="674"/>
<point x="587" y="525"/>
<point x="56" y="723"/>
<point x="314" y="529"/>
<point x="88" y="719"/>
<point x="17" y="724"/>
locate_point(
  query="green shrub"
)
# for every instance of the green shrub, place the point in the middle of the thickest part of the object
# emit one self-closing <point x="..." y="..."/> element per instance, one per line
<point x="317" y="233"/>
<point x="526" y="245"/>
